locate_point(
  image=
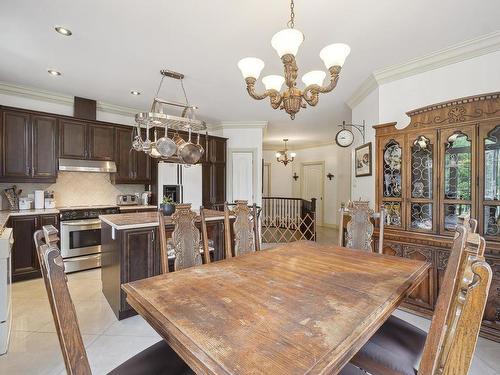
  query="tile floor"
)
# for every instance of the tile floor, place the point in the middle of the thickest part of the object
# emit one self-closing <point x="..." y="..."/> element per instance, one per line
<point x="34" y="348"/>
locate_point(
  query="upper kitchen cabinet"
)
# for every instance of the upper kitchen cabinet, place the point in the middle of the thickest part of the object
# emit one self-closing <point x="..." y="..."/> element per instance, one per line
<point x="29" y="147"/>
<point x="132" y="167"/>
<point x="217" y="150"/>
<point x="80" y="140"/>
<point x="101" y="141"/>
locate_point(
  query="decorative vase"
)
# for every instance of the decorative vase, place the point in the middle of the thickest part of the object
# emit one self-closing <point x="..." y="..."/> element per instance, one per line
<point x="168" y="209"/>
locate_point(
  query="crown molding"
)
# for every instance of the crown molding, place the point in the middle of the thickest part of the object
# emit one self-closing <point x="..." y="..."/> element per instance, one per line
<point x="456" y="53"/>
<point x="362" y="91"/>
<point x="238" y="125"/>
<point x="53" y="97"/>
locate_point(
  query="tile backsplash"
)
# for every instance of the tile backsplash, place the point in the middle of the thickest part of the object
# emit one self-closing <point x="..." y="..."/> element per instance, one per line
<point x="78" y="188"/>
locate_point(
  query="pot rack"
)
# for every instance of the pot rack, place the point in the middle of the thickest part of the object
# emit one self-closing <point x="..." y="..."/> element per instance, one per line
<point x="157" y="118"/>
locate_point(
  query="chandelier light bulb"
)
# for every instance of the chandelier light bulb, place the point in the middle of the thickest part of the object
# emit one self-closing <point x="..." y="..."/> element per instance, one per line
<point x="273" y="82"/>
<point x="251" y="67"/>
<point x="314" y="77"/>
<point x="278" y="154"/>
<point x="334" y="54"/>
<point x="287" y="41"/>
<point x="293" y="154"/>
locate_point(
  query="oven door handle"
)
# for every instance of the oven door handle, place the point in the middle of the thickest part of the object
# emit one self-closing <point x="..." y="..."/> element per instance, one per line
<point x="77" y="259"/>
<point x="80" y="223"/>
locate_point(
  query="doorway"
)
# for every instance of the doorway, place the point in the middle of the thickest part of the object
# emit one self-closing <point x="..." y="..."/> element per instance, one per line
<point x="312" y="186"/>
<point x="242" y="175"/>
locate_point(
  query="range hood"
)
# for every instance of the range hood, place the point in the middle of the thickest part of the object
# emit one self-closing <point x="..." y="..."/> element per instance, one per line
<point x="79" y="165"/>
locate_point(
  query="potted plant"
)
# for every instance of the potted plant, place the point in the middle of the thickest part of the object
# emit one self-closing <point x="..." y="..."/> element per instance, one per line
<point x="168" y="206"/>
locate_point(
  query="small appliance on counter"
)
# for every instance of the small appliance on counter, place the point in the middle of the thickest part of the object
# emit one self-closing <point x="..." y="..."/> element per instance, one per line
<point x="25" y="203"/>
<point x="145" y="198"/>
<point x="39" y="199"/>
<point x="50" y="202"/>
<point x="127" y="200"/>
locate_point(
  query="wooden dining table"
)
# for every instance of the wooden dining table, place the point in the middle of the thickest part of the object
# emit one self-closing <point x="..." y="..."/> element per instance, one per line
<point x="299" y="308"/>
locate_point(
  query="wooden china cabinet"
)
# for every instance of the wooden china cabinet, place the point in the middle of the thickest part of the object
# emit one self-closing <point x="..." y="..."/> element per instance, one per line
<point x="445" y="163"/>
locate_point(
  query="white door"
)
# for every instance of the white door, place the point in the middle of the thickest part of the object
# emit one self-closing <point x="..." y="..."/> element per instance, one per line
<point x="312" y="187"/>
<point x="242" y="176"/>
<point x="266" y="182"/>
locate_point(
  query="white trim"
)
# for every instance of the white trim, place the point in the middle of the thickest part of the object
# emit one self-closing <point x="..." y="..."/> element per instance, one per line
<point x="53" y="97"/>
<point x="239" y="125"/>
<point x="468" y="49"/>
<point x="362" y="91"/>
<point x="300" y="146"/>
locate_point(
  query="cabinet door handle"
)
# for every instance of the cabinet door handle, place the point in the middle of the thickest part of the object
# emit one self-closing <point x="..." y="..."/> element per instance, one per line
<point x="153" y="236"/>
<point x="36" y="222"/>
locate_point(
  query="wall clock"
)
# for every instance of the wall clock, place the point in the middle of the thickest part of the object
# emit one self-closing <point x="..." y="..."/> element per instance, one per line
<point x="344" y="138"/>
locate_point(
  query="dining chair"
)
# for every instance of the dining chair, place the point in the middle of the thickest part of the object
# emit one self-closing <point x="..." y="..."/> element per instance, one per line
<point x="396" y="348"/>
<point x="159" y="358"/>
<point x="185" y="239"/>
<point x="245" y="229"/>
<point x="360" y="226"/>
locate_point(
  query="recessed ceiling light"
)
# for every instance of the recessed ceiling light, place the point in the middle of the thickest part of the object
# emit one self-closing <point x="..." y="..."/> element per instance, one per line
<point x="54" y="72"/>
<point x="134" y="92"/>
<point x="63" y="31"/>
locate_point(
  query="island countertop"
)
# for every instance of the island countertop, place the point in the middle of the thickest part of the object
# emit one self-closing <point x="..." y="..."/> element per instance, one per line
<point x="148" y="219"/>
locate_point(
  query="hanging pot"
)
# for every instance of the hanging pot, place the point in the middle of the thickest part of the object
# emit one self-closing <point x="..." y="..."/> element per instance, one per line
<point x="154" y="151"/>
<point x="200" y="147"/>
<point x="165" y="146"/>
<point x="189" y="152"/>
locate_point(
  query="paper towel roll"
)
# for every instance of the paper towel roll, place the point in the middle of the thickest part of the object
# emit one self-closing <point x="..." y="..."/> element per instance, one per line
<point x="39" y="199"/>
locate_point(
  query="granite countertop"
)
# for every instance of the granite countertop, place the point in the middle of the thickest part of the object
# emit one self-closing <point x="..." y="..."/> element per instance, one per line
<point x="138" y="207"/>
<point x="147" y="219"/>
<point x="6" y="214"/>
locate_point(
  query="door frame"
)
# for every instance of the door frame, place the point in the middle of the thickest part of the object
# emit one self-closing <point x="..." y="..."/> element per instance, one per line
<point x="255" y="185"/>
<point x="322" y="163"/>
<point x="266" y="164"/>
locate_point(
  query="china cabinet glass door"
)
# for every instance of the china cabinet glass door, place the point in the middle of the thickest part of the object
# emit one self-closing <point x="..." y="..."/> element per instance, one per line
<point x="421" y="182"/>
<point x="458" y="186"/>
<point x="489" y="195"/>
<point x="391" y="184"/>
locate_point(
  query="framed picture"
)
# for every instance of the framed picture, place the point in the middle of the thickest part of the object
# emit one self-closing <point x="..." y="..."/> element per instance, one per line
<point x="363" y="160"/>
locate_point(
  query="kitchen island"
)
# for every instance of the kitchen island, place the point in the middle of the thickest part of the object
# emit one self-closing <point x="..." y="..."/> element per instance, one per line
<point x="131" y="251"/>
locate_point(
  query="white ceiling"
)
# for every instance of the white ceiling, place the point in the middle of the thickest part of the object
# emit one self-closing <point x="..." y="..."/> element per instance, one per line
<point x="121" y="45"/>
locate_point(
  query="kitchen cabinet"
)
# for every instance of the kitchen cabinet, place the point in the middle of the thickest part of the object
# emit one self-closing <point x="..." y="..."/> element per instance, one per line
<point x="132" y="167"/>
<point x="81" y="140"/>
<point x="29" y="147"/>
<point x="214" y="173"/>
<point x="72" y="139"/>
<point x="25" y="263"/>
<point x="101" y="142"/>
<point x="134" y="254"/>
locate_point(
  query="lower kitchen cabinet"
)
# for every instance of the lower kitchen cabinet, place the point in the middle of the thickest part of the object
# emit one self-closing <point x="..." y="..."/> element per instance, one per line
<point x="134" y="254"/>
<point x="24" y="261"/>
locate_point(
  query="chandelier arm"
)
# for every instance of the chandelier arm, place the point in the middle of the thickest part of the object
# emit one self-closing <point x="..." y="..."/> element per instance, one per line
<point x="311" y="92"/>
<point x="274" y="96"/>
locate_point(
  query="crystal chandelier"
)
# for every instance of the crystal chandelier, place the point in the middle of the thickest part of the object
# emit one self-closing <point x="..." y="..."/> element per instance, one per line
<point x="287" y="42"/>
<point x="282" y="156"/>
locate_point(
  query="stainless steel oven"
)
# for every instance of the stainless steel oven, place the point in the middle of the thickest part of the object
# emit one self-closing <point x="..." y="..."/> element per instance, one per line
<point x="81" y="237"/>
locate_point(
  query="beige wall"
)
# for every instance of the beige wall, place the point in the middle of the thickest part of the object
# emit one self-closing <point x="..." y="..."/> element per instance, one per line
<point x="78" y="188"/>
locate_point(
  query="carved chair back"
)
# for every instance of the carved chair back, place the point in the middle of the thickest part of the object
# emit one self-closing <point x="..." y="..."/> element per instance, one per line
<point x="63" y="310"/>
<point x="360" y="227"/>
<point x="245" y="228"/>
<point x="185" y="239"/>
<point x="452" y="337"/>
